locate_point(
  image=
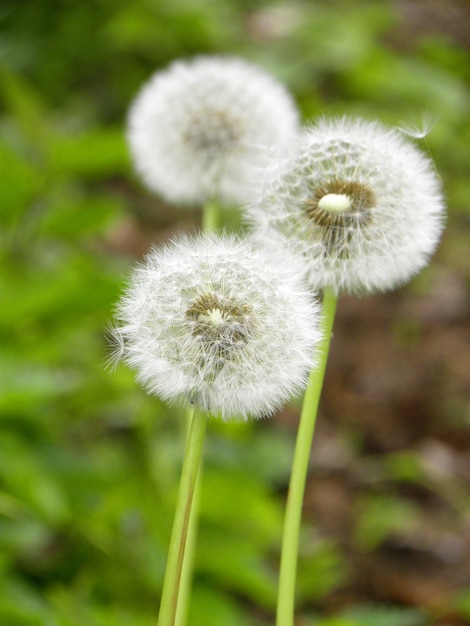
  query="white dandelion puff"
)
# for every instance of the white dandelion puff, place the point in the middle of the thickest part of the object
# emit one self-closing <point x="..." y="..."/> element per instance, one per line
<point x="220" y="323"/>
<point x="360" y="202"/>
<point x="201" y="128"/>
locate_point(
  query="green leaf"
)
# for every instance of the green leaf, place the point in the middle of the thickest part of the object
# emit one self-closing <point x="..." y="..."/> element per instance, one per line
<point x="213" y="607"/>
<point x="382" y="615"/>
<point x="380" y="516"/>
<point x="320" y="571"/>
<point x="92" y="154"/>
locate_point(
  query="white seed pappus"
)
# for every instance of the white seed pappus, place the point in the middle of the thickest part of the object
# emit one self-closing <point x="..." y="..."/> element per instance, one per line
<point x="221" y="323"/>
<point x="200" y="129"/>
<point x="359" y="201"/>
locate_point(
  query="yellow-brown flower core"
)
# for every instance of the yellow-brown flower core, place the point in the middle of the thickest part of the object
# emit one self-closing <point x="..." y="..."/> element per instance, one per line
<point x="221" y="324"/>
<point x="338" y="207"/>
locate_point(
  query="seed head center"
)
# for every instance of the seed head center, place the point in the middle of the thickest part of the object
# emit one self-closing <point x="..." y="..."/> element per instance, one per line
<point x="212" y="317"/>
<point x="212" y="131"/>
<point x="335" y="203"/>
<point x="219" y="321"/>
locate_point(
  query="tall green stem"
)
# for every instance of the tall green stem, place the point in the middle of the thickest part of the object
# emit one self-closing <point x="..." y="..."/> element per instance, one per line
<point x="293" y="516"/>
<point x="181" y="523"/>
<point x="210" y="216"/>
<point x="182" y="605"/>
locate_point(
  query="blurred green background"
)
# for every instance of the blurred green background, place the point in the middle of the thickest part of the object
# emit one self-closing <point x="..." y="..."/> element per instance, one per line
<point x="89" y="465"/>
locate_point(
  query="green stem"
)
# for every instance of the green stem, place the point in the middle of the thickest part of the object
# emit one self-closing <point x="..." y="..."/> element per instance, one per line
<point x="181" y="523"/>
<point x="293" y="516"/>
<point x="210" y="216"/>
<point x="182" y="606"/>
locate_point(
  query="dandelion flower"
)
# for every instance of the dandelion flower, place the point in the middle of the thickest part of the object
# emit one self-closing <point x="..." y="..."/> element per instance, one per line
<point x="220" y="323"/>
<point x="200" y="129"/>
<point x="360" y="202"/>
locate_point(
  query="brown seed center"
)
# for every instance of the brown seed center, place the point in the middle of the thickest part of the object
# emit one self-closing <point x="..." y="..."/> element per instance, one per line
<point x="337" y="208"/>
<point x="340" y="204"/>
<point x="221" y="324"/>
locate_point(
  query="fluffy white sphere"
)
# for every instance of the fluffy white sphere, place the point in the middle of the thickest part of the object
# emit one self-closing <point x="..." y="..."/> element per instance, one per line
<point x="360" y="202"/>
<point x="221" y="323"/>
<point x="200" y="129"/>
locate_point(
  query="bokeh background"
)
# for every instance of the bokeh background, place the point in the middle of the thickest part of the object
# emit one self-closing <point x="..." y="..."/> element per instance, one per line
<point x="89" y="465"/>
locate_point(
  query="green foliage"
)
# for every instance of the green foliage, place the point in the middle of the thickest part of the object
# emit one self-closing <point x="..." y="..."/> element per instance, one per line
<point x="89" y="465"/>
<point x="462" y="603"/>
<point x="376" y="615"/>
<point x="381" y="516"/>
<point x="322" y="569"/>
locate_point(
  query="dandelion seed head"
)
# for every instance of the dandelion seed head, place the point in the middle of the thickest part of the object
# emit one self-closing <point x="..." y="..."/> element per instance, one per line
<point x="358" y="201"/>
<point x="202" y="128"/>
<point x="219" y="322"/>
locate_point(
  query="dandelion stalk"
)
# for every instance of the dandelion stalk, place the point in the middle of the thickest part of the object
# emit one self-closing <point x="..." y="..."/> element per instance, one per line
<point x="181" y="524"/>
<point x="182" y="607"/>
<point x="290" y="540"/>
<point x="211" y="216"/>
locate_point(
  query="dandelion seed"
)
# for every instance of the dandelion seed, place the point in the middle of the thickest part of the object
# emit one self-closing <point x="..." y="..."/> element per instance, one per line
<point x="417" y="131"/>
<point x="201" y="128"/>
<point x="360" y="203"/>
<point x="219" y="323"/>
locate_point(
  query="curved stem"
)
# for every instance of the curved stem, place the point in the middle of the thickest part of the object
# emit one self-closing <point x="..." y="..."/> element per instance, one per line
<point x="210" y="216"/>
<point x="293" y="516"/>
<point x="182" y="605"/>
<point x="181" y="523"/>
